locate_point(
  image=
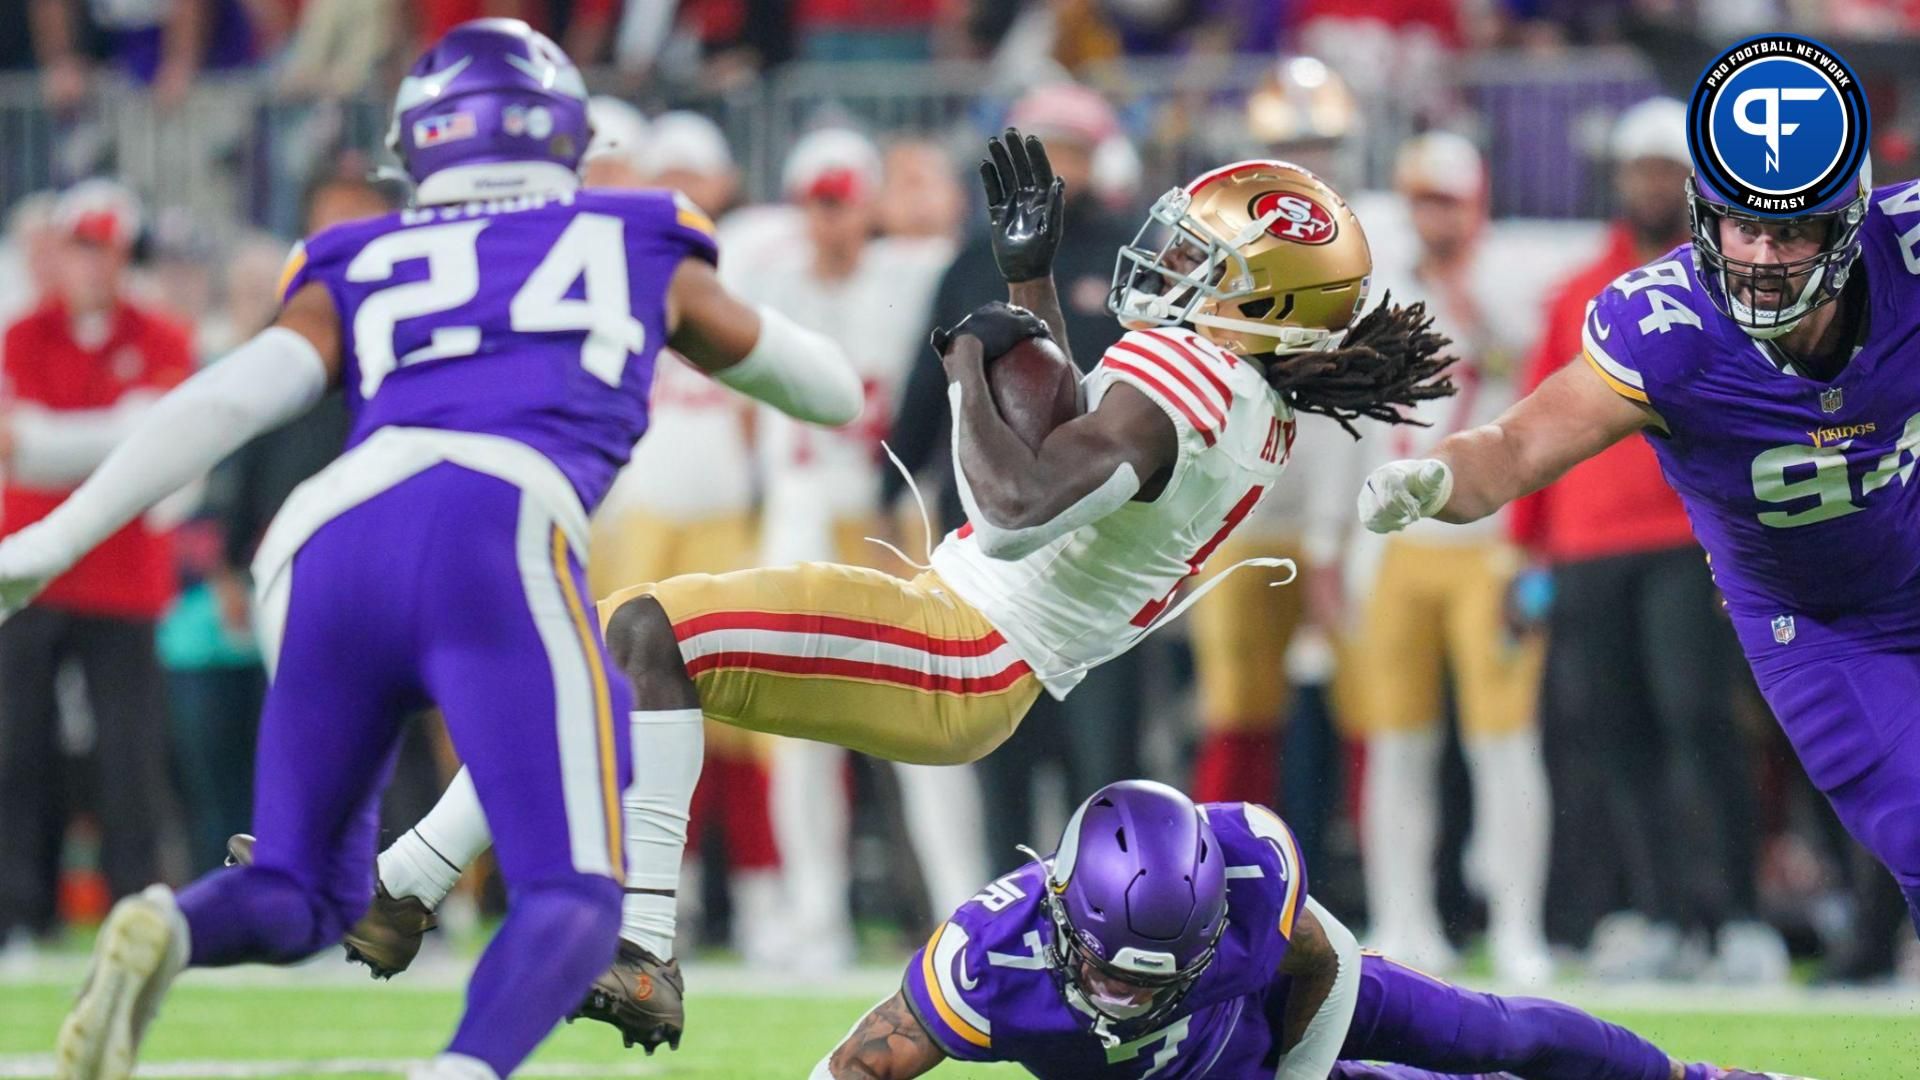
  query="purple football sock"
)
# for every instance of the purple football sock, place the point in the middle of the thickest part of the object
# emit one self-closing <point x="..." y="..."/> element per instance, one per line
<point x="254" y="915"/>
<point x="556" y="939"/>
<point x="1404" y="1016"/>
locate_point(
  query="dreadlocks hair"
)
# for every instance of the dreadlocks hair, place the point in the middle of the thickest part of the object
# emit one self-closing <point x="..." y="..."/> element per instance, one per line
<point x="1390" y="359"/>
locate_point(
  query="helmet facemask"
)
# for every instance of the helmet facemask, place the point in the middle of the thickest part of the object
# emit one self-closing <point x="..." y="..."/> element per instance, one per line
<point x="1722" y="277"/>
<point x="1069" y="953"/>
<point x="1179" y="271"/>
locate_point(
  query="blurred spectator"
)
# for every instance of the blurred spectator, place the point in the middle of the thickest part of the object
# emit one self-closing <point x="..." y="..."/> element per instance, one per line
<point x="80" y="369"/>
<point x="1092" y="737"/>
<point x="164" y="46"/>
<point x="688" y="152"/>
<point x="215" y="683"/>
<point x="1437" y="611"/>
<point x="1651" y="774"/>
<point x="822" y="490"/>
<point x="871" y="29"/>
<point x="33" y="244"/>
<point x="584" y="28"/>
<point x="1391" y="50"/>
<point x="719" y="43"/>
<point x="337" y="48"/>
<point x="616" y="156"/>
<point x="684" y="505"/>
<point x="919" y="195"/>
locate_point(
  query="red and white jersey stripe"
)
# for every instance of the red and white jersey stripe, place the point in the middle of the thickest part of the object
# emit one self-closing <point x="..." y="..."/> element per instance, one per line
<point x="1182" y="372"/>
<point x="809" y="643"/>
<point x="1088" y="595"/>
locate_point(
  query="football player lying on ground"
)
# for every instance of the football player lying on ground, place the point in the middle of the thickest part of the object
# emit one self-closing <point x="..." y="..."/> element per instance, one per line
<point x="1075" y="544"/>
<point x="1172" y="940"/>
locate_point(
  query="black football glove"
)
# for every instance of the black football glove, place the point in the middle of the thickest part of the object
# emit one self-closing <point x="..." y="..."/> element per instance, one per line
<point x="1025" y="203"/>
<point x="999" y="326"/>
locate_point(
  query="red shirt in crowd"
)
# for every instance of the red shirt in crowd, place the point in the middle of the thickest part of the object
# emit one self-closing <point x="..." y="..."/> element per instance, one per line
<point x="131" y="574"/>
<point x="1615" y="503"/>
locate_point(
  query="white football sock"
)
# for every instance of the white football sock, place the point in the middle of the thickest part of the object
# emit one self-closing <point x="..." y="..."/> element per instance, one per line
<point x="1402" y="809"/>
<point x="1513" y="820"/>
<point x="668" y="748"/>
<point x="808" y="793"/>
<point x="946" y="825"/>
<point x="427" y="860"/>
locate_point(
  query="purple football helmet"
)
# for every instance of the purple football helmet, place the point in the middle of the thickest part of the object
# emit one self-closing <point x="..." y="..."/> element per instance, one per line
<point x="1840" y="216"/>
<point x="493" y="109"/>
<point x="1138" y="898"/>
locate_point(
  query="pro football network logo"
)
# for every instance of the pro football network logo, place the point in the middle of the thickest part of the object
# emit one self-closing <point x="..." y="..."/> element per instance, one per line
<point x="1779" y="123"/>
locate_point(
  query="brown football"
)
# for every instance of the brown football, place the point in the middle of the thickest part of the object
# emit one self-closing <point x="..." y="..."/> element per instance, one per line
<point x="1035" y="388"/>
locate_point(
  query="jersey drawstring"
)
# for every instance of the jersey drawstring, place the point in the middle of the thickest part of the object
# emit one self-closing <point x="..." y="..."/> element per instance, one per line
<point x="926" y="519"/>
<point x="1174" y="612"/>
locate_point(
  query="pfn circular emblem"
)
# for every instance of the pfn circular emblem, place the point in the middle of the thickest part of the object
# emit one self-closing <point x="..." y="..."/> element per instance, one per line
<point x="1301" y="219"/>
<point x="1778" y="123"/>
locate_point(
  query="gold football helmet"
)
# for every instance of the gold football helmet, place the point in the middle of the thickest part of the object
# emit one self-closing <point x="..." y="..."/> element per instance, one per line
<point x="1259" y="256"/>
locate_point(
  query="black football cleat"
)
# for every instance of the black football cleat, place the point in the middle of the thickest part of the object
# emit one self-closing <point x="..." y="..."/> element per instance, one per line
<point x="640" y="995"/>
<point x="386" y="938"/>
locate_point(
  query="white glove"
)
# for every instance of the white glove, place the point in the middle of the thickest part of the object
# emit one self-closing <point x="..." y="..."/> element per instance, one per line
<point x="1400" y="493"/>
<point x="29" y="559"/>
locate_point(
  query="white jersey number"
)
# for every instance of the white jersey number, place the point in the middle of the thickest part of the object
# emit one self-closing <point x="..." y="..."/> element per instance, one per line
<point x="592" y="251"/>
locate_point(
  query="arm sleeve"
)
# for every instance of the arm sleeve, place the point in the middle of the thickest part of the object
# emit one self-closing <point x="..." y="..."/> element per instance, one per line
<point x="945" y="988"/>
<point x="1314" y="1056"/>
<point x="264" y="383"/>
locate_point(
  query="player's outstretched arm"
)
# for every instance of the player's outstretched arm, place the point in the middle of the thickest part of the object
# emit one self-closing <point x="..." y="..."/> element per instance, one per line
<point x="760" y="352"/>
<point x="1019" y="499"/>
<point x="1324" y="960"/>
<point x="1568" y="419"/>
<point x="1026" y="211"/>
<point x="887" y="1044"/>
<point x="271" y="379"/>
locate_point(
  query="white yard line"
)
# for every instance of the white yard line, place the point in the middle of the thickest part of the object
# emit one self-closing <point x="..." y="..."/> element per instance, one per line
<point x="41" y="1065"/>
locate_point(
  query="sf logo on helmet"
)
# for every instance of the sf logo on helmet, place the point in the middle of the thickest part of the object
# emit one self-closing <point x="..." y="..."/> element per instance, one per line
<point x="1300" y="219"/>
<point x="1778" y="123"/>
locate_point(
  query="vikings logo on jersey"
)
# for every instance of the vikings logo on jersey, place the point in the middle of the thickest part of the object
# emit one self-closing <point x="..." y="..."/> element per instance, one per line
<point x="1802" y="490"/>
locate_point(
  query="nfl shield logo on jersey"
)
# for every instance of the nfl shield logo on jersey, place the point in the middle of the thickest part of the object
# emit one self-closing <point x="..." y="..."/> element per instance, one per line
<point x="1831" y="399"/>
<point x="1783" y="631"/>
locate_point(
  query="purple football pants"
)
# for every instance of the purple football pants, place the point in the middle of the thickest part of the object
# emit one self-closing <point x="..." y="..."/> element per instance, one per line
<point x="1433" y="1030"/>
<point x="455" y="589"/>
<point x="1854" y="720"/>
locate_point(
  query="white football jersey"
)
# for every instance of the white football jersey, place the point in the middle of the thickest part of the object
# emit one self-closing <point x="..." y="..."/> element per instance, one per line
<point x="696" y="460"/>
<point x="878" y="314"/>
<point x="1090" y="595"/>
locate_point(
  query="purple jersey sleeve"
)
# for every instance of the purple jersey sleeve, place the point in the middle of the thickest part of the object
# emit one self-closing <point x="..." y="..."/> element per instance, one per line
<point x="1266" y="883"/>
<point x="943" y="989"/>
<point x="1642" y="328"/>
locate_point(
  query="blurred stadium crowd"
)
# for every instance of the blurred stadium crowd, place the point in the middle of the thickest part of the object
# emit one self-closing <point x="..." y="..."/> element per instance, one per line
<point x="1534" y="733"/>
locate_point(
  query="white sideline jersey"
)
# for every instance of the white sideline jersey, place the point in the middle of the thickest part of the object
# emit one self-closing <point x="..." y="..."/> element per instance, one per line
<point x="696" y="461"/>
<point x="1090" y="595"/>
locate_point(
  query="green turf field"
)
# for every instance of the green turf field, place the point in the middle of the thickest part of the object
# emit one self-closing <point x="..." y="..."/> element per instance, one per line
<point x="325" y="1026"/>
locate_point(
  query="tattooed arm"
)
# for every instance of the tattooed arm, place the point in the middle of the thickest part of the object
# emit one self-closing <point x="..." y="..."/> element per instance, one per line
<point x="887" y="1044"/>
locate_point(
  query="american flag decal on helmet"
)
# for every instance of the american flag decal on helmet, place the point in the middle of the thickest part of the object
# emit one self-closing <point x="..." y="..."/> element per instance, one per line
<point x="445" y="128"/>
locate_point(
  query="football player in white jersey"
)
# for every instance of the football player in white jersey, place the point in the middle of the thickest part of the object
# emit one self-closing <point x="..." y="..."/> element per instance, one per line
<point x="1246" y="299"/>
